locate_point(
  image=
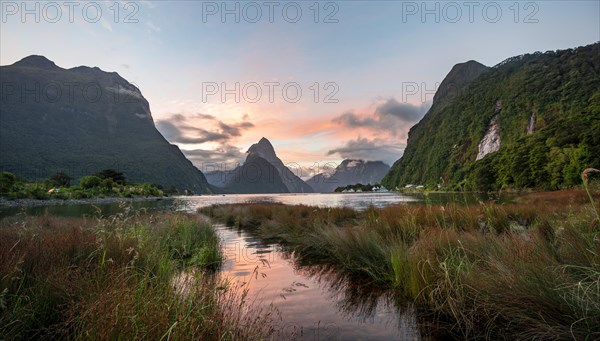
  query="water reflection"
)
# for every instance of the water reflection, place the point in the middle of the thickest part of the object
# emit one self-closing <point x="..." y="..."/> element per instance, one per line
<point x="314" y="301"/>
<point x="358" y="201"/>
<point x="366" y="302"/>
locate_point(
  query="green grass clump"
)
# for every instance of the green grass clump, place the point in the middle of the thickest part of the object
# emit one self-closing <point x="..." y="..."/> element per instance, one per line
<point x="527" y="270"/>
<point x="136" y="277"/>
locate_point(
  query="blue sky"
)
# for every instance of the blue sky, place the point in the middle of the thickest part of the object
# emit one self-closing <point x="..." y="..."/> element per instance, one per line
<point x="370" y="55"/>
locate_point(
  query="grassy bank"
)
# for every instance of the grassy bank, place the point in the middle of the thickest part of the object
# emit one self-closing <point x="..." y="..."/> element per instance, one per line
<point x="527" y="270"/>
<point x="141" y="277"/>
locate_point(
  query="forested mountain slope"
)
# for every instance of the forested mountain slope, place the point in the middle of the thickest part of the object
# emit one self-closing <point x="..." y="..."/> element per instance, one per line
<point x="533" y="121"/>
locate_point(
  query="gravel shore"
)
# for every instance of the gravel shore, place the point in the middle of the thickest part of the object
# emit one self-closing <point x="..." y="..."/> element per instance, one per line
<point x="4" y="202"/>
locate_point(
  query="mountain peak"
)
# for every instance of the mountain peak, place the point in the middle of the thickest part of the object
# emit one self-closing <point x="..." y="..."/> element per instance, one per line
<point x="461" y="75"/>
<point x="37" y="61"/>
<point x="262" y="157"/>
<point x="467" y="69"/>
<point x="263" y="141"/>
<point x="349" y="163"/>
<point x="263" y="148"/>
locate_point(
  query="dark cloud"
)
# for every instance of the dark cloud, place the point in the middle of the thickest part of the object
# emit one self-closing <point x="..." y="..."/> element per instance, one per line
<point x="374" y="150"/>
<point x="204" y="116"/>
<point x="174" y="134"/>
<point x="184" y="129"/>
<point x="350" y="119"/>
<point x="403" y="111"/>
<point x="226" y="157"/>
<point x="191" y="117"/>
<point x="390" y="116"/>
<point x="231" y="130"/>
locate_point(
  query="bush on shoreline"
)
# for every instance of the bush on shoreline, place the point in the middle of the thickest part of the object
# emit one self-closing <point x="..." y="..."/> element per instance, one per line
<point x="89" y="187"/>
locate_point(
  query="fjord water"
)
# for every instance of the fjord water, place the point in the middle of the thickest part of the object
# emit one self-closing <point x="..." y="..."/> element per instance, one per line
<point x="358" y="201"/>
<point x="313" y="303"/>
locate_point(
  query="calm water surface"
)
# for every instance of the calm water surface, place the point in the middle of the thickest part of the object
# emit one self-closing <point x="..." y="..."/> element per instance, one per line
<point x="312" y="305"/>
<point x="359" y="201"/>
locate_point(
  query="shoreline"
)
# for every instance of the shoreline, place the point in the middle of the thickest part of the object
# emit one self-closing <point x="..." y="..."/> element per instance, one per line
<point x="9" y="203"/>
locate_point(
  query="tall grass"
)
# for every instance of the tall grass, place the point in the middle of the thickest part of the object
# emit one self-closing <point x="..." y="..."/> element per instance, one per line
<point x="117" y="278"/>
<point x="528" y="270"/>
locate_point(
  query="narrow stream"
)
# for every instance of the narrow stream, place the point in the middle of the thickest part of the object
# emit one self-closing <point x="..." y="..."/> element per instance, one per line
<point x="313" y="306"/>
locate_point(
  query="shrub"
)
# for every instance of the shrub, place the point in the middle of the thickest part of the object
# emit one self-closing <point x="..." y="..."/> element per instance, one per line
<point x="90" y="181"/>
<point x="7" y="181"/>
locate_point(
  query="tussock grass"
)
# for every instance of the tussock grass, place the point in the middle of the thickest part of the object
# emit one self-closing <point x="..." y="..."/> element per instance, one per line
<point x="119" y="278"/>
<point x="528" y="270"/>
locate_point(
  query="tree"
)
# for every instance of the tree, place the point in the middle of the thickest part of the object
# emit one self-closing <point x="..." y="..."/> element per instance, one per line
<point x="7" y="180"/>
<point x="117" y="177"/>
<point x="60" y="179"/>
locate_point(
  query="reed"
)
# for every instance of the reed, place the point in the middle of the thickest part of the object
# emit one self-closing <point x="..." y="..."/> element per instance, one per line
<point x="527" y="270"/>
<point x="119" y="277"/>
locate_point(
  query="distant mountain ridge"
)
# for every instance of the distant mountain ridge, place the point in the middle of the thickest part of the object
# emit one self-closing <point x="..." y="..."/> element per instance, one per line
<point x="80" y="121"/>
<point x="349" y="172"/>
<point x="261" y="172"/>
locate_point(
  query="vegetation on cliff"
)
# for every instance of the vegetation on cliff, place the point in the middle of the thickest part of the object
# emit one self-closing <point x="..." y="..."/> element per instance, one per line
<point x="548" y="121"/>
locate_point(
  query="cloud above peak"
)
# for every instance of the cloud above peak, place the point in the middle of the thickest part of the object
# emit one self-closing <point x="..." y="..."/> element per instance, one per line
<point x="200" y="128"/>
<point x="225" y="157"/>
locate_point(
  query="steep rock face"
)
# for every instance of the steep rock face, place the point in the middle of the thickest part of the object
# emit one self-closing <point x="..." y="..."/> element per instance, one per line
<point x="546" y="150"/>
<point x="80" y="121"/>
<point x="491" y="141"/>
<point x="349" y="172"/>
<point x="262" y="172"/>
<point x="424" y="159"/>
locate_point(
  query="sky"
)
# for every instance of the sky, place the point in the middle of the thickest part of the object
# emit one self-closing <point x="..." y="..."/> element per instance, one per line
<point x="323" y="81"/>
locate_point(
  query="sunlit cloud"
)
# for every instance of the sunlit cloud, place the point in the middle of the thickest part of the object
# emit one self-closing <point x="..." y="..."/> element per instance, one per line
<point x="204" y="139"/>
<point x="199" y="128"/>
